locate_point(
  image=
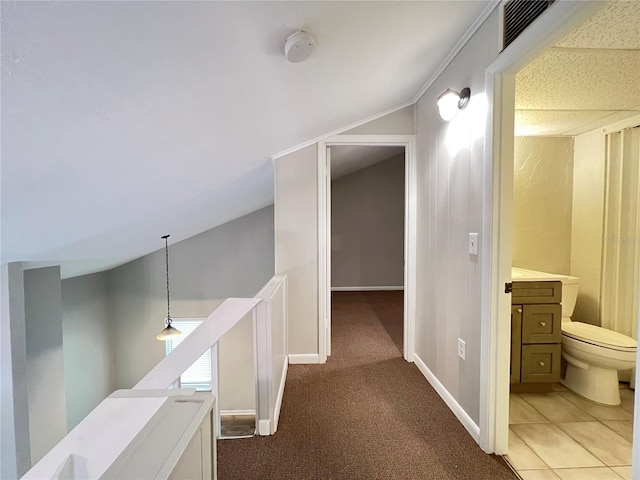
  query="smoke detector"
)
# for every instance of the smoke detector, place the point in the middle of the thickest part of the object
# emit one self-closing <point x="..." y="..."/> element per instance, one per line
<point x="298" y="47"/>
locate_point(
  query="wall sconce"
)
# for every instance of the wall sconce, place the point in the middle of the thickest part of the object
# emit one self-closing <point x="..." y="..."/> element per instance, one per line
<point x="168" y="331"/>
<point x="451" y="101"/>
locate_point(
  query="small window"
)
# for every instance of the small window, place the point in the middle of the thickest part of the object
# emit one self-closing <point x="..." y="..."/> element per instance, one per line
<point x="198" y="375"/>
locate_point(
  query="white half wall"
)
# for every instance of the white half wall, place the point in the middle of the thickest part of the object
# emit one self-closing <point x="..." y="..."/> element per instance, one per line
<point x="45" y="360"/>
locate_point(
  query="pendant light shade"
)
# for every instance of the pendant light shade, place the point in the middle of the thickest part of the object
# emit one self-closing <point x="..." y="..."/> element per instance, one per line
<point x="168" y="331"/>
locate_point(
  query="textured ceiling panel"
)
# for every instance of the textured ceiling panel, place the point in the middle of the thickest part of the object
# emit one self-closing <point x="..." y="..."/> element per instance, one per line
<point x="615" y="26"/>
<point x="580" y="80"/>
<point x="555" y="122"/>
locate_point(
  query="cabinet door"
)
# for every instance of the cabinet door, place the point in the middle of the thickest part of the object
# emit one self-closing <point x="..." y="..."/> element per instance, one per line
<point x="516" y="342"/>
<point x="540" y="363"/>
<point x="541" y="323"/>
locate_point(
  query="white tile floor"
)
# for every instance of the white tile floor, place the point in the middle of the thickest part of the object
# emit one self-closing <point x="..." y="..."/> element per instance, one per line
<point x="560" y="435"/>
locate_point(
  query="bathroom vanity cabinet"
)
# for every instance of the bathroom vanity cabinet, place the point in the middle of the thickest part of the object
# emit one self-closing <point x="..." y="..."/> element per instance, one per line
<point x="536" y="330"/>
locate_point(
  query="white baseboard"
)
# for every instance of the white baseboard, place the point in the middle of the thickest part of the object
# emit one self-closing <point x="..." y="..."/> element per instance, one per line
<point x="224" y="413"/>
<point x="264" y="427"/>
<point x="451" y="402"/>
<point x="364" y="289"/>
<point x="278" y="405"/>
<point x="303" y="358"/>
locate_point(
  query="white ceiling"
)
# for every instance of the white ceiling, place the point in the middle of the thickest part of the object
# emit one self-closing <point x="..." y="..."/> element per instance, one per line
<point x="588" y="80"/>
<point x="123" y="121"/>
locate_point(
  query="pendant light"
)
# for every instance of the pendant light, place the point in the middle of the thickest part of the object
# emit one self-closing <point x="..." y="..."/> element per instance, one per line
<point x="168" y="331"/>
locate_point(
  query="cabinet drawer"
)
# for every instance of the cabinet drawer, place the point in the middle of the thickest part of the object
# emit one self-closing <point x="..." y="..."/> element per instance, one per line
<point x="541" y="323"/>
<point x="540" y="363"/>
<point x="536" y="292"/>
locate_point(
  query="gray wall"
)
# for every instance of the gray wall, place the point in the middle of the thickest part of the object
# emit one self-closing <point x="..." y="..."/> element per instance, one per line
<point x="450" y="179"/>
<point x="15" y="457"/>
<point x="88" y="344"/>
<point x="367" y="226"/>
<point x="233" y="260"/>
<point x="45" y="359"/>
<point x="542" y="203"/>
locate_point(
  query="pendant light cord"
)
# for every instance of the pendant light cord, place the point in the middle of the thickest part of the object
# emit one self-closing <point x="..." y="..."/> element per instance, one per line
<point x="166" y="253"/>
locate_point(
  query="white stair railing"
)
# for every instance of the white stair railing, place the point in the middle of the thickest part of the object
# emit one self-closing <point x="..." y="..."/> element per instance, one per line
<point x="269" y="311"/>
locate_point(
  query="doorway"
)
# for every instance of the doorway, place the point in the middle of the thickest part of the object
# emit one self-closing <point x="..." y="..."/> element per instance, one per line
<point x="502" y="78"/>
<point x="407" y="144"/>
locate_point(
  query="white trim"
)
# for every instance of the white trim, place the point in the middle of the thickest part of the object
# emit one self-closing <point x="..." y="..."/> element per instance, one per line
<point x="304" y="358"/>
<point x="278" y="405"/>
<point x="451" y="402"/>
<point x="228" y="413"/>
<point x="366" y="289"/>
<point x="338" y="131"/>
<point x="557" y="21"/>
<point x="458" y="47"/>
<point x="632" y="121"/>
<point x="410" y="227"/>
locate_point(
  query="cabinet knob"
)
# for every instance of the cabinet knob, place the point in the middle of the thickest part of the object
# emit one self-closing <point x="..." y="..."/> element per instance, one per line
<point x="541" y="364"/>
<point x="543" y="324"/>
<point x="519" y="310"/>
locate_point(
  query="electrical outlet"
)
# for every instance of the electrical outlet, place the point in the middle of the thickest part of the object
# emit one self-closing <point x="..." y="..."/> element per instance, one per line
<point x="461" y="349"/>
<point x="473" y="244"/>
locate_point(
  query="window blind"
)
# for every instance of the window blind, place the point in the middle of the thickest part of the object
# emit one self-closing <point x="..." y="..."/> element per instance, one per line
<point x="198" y="375"/>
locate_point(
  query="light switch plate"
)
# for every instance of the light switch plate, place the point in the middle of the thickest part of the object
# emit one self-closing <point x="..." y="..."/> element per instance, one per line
<point x="461" y="348"/>
<point x="473" y="244"/>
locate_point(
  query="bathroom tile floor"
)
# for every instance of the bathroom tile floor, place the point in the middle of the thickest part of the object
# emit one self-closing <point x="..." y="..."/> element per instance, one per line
<point x="560" y="435"/>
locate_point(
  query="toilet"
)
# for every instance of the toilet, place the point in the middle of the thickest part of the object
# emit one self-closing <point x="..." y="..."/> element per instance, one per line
<point x="593" y="354"/>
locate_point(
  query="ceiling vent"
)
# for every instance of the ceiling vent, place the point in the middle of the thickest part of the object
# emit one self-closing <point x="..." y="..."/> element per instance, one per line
<point x="518" y="15"/>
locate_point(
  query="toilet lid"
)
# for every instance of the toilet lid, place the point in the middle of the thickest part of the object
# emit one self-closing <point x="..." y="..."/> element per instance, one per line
<point x="598" y="336"/>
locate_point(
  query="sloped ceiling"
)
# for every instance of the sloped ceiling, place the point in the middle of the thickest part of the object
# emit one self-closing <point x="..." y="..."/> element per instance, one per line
<point x="588" y="80"/>
<point x="346" y="159"/>
<point x="123" y="121"/>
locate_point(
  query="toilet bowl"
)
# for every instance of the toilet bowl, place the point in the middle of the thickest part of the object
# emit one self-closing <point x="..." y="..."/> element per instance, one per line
<point x="593" y="354"/>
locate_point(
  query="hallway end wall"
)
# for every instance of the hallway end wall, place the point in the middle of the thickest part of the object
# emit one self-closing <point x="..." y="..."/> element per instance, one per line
<point x="367" y="226"/>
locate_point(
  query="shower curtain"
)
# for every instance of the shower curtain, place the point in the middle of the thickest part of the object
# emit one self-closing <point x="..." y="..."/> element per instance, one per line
<point x="621" y="238"/>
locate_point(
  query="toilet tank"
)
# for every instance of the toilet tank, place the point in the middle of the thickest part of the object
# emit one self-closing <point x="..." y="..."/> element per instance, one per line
<point x="570" y="285"/>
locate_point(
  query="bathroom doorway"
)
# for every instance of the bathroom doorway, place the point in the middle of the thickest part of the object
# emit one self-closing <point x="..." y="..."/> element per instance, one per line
<point x="564" y="203"/>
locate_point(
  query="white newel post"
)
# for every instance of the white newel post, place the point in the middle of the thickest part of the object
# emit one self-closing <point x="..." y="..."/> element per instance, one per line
<point x="263" y="362"/>
<point x="215" y="384"/>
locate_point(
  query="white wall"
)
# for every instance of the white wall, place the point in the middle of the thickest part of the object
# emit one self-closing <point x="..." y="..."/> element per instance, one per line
<point x="450" y="206"/>
<point x="587" y="222"/>
<point x="88" y="344"/>
<point x="15" y="456"/>
<point x="296" y="229"/>
<point x="367" y="226"/>
<point x="232" y="260"/>
<point x="542" y="203"/>
<point x="296" y="244"/>
<point x="45" y="359"/>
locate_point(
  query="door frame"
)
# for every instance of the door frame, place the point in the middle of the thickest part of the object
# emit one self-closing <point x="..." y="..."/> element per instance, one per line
<point x="324" y="235"/>
<point x="553" y="25"/>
